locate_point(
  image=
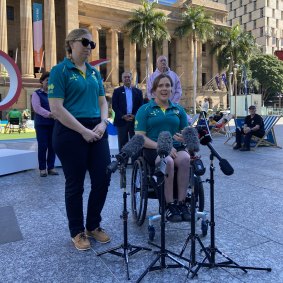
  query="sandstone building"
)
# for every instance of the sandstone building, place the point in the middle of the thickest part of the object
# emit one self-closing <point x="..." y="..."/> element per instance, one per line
<point x="105" y="20"/>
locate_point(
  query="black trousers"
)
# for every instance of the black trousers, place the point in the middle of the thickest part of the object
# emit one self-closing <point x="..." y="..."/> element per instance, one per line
<point x="78" y="156"/>
<point x="46" y="154"/>
<point x="125" y="133"/>
<point x="247" y="137"/>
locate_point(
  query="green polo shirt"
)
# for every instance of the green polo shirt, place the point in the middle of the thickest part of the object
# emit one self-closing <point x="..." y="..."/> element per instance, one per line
<point x="79" y="91"/>
<point x="152" y="120"/>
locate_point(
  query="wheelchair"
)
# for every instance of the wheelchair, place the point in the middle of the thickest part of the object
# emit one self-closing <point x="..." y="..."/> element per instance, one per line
<point x="142" y="189"/>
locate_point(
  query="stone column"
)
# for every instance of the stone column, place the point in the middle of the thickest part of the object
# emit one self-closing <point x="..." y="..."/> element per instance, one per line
<point x="3" y="27"/>
<point x="3" y="30"/>
<point x="165" y="51"/>
<point x="114" y="57"/>
<point x="199" y="66"/>
<point x="72" y="15"/>
<point x="95" y="37"/>
<point x="49" y="35"/>
<point x="130" y="57"/>
<point x="143" y="65"/>
<point x="150" y="61"/>
<point x="26" y="39"/>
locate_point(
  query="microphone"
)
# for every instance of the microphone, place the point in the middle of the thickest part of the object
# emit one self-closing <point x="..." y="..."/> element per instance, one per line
<point x="225" y="166"/>
<point x="190" y="136"/>
<point x="130" y="149"/>
<point x="191" y="139"/>
<point x="164" y="143"/>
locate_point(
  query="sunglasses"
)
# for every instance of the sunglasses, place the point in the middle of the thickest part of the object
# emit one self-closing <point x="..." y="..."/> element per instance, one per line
<point x="85" y="42"/>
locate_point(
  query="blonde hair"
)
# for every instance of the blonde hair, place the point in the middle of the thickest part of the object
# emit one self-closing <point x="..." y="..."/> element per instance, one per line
<point x="73" y="35"/>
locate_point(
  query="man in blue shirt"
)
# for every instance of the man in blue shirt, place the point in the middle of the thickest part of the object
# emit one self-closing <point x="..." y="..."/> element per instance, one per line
<point x="126" y="101"/>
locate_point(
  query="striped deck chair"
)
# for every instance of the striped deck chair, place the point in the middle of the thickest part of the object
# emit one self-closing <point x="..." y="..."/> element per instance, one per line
<point x="193" y="120"/>
<point x="269" y="138"/>
<point x="224" y="128"/>
<point x="239" y="123"/>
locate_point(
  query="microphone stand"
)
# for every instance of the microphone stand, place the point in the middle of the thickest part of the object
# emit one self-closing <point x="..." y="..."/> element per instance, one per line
<point x="163" y="253"/>
<point x="212" y="250"/>
<point x="128" y="249"/>
<point x="193" y="236"/>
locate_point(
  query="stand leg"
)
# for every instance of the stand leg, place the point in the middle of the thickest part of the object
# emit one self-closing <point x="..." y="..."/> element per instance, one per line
<point x="210" y="252"/>
<point x="128" y="249"/>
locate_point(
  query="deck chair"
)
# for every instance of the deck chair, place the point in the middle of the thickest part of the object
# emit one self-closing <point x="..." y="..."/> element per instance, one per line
<point x="14" y="126"/>
<point x="224" y="128"/>
<point x="239" y="123"/>
<point x="193" y="120"/>
<point x="269" y="138"/>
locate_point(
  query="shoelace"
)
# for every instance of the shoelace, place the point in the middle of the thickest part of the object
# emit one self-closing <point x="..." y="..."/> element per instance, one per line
<point x="82" y="236"/>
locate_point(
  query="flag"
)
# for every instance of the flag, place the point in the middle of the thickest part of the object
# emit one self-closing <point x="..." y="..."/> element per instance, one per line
<point x="37" y="35"/>
<point x="217" y="81"/>
<point x="223" y="77"/>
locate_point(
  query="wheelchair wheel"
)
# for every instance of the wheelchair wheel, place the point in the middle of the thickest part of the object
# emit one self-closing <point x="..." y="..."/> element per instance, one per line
<point x="199" y="194"/>
<point x="139" y="188"/>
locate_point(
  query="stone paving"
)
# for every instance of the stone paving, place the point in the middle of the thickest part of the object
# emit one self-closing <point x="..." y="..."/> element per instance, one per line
<point x="248" y="216"/>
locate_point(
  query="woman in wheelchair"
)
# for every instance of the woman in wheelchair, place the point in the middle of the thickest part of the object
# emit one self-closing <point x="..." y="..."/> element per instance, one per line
<point x="160" y="114"/>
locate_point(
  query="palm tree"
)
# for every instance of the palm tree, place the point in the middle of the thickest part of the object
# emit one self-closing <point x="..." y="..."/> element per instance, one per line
<point x="233" y="47"/>
<point x="199" y="24"/>
<point x="147" y="25"/>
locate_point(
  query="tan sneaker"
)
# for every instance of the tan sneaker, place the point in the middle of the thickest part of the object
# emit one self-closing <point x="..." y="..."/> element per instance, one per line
<point x="99" y="235"/>
<point x="81" y="242"/>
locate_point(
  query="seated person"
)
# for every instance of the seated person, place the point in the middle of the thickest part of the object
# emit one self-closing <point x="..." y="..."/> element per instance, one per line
<point x="211" y="122"/>
<point x="218" y="115"/>
<point x="160" y="114"/>
<point x="253" y="125"/>
<point x="220" y="126"/>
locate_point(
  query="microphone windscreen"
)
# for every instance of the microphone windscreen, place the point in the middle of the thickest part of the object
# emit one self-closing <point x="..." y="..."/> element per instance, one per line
<point x="134" y="145"/>
<point x="164" y="143"/>
<point x="190" y="136"/>
<point x="225" y="167"/>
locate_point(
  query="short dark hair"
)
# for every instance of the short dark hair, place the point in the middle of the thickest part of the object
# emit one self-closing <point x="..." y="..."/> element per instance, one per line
<point x="157" y="80"/>
<point x="44" y="76"/>
<point x="252" y="107"/>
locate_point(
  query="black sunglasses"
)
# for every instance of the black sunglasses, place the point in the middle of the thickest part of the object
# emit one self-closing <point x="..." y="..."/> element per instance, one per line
<point x="85" y="42"/>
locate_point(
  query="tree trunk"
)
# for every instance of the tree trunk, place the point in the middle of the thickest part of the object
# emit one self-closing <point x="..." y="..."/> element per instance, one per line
<point x="147" y="62"/>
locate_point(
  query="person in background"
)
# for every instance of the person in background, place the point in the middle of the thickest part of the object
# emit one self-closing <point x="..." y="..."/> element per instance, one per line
<point x="14" y="113"/>
<point x="126" y="100"/>
<point x="160" y="114"/>
<point x="43" y="124"/>
<point x="162" y="68"/>
<point x="253" y="125"/>
<point x="211" y="122"/>
<point x="205" y="106"/>
<point x="77" y="100"/>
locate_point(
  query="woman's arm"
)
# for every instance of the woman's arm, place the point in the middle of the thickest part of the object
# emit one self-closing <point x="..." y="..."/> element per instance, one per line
<point x="148" y="143"/>
<point x="35" y="101"/>
<point x="64" y="116"/>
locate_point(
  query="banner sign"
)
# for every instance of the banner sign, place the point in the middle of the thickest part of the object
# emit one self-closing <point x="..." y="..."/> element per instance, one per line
<point x="37" y="34"/>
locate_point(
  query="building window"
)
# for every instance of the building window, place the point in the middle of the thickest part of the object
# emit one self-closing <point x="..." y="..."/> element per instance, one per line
<point x="277" y="23"/>
<point x="273" y="13"/>
<point x="267" y="21"/>
<point x="277" y="5"/>
<point x="235" y="13"/>
<point x="245" y="9"/>
<point x="241" y="3"/>
<point x="254" y="24"/>
<point x="203" y="79"/>
<point x="230" y="6"/>
<point x="250" y="16"/>
<point x="261" y="31"/>
<point x="261" y="12"/>
<point x="254" y="5"/>
<point x="10" y="13"/>
<point x="241" y="20"/>
<point x="245" y="27"/>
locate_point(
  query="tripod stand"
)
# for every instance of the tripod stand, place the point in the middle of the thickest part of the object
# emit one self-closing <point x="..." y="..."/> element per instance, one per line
<point x="193" y="237"/>
<point x="212" y="250"/>
<point x="163" y="253"/>
<point x="128" y="249"/>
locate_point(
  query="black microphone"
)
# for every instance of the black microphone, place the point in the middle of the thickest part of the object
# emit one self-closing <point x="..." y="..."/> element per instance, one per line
<point x="164" y="143"/>
<point x="225" y="166"/>
<point x="130" y="149"/>
<point x="191" y="139"/>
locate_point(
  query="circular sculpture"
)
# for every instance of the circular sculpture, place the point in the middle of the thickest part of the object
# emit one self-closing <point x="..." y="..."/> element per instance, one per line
<point x="15" y="81"/>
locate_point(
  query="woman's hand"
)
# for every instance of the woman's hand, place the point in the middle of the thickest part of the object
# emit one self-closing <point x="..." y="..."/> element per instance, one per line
<point x="100" y="129"/>
<point x="173" y="153"/>
<point x="178" y="137"/>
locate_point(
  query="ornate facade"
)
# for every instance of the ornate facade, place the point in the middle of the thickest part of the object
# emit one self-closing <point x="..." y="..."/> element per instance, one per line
<point x="105" y="20"/>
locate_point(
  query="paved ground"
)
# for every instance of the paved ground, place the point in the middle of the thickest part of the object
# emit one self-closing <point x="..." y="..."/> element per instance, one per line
<point x="249" y="225"/>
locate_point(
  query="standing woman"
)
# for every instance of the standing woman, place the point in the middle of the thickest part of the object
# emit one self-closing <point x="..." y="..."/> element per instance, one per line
<point x="80" y="139"/>
<point x="44" y="123"/>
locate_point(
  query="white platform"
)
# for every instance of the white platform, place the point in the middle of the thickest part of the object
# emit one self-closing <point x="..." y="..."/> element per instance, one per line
<point x="16" y="160"/>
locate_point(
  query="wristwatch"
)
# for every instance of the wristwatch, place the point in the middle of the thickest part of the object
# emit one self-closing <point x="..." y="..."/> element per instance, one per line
<point x="106" y="122"/>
